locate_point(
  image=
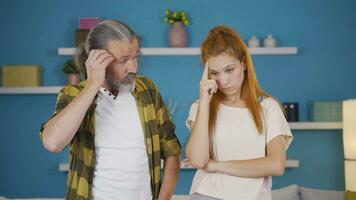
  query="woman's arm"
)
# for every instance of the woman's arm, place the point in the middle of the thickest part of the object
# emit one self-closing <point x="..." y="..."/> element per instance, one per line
<point x="197" y="148"/>
<point x="271" y="165"/>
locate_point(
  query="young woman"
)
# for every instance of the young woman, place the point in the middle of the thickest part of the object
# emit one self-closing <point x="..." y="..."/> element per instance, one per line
<point x="239" y="134"/>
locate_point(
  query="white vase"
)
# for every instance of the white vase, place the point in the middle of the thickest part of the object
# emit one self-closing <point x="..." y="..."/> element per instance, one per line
<point x="253" y="42"/>
<point x="269" y="41"/>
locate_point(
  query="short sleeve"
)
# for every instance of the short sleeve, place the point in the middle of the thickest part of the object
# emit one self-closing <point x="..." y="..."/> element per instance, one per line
<point x="275" y="121"/>
<point x="63" y="99"/>
<point x="169" y="143"/>
<point x="192" y="114"/>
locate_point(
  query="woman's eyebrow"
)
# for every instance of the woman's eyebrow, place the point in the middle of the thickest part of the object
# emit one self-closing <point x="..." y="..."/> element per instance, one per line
<point x="223" y="68"/>
<point x="228" y="66"/>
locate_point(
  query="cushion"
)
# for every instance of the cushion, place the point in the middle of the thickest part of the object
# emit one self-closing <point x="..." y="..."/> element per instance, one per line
<point x="180" y="197"/>
<point x="316" y="194"/>
<point x="350" y="195"/>
<point x="287" y="193"/>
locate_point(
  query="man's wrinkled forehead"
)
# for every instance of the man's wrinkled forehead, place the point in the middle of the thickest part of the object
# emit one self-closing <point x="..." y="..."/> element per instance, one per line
<point x="122" y="49"/>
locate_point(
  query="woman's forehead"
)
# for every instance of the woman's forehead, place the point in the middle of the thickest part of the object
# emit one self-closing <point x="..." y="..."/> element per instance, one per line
<point x="221" y="61"/>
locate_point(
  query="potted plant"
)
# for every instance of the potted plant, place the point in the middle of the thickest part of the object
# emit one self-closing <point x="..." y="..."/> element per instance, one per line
<point x="177" y="20"/>
<point x="70" y="69"/>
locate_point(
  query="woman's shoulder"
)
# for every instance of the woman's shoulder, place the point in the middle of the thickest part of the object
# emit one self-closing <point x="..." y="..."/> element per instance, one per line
<point x="270" y="103"/>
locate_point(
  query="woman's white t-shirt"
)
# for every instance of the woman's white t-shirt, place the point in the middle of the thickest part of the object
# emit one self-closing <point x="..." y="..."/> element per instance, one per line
<point x="236" y="138"/>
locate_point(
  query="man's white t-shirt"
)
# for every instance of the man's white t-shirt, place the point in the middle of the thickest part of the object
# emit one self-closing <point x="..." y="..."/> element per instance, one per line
<point x="122" y="169"/>
<point x="236" y="138"/>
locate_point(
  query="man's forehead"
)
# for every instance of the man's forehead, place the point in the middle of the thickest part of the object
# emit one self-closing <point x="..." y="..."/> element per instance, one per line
<point x="121" y="49"/>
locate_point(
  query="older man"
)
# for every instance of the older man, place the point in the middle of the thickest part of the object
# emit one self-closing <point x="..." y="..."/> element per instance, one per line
<point x="115" y="122"/>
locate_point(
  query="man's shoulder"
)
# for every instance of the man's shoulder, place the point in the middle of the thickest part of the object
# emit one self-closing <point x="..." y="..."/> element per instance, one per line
<point x="145" y="82"/>
<point x="73" y="90"/>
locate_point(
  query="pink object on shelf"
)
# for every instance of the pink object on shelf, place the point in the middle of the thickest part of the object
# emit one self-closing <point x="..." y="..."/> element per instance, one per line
<point x="86" y="23"/>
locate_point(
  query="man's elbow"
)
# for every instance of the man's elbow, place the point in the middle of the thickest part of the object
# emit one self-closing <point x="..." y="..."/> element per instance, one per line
<point x="51" y="145"/>
<point x="177" y="163"/>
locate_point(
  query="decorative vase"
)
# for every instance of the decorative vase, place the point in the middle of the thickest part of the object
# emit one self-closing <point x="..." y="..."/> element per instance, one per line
<point x="177" y="35"/>
<point x="253" y="42"/>
<point x="73" y="79"/>
<point x="269" y="41"/>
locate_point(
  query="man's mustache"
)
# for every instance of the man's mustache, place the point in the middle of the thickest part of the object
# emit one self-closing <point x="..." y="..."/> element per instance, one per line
<point x="129" y="77"/>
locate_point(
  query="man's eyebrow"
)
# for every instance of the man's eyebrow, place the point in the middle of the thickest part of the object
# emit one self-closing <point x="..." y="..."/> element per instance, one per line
<point x="128" y="56"/>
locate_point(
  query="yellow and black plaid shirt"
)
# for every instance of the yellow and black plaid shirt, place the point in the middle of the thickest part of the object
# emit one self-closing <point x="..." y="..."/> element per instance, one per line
<point x="157" y="124"/>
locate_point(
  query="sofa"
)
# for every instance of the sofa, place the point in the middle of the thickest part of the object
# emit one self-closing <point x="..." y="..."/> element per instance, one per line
<point x="292" y="192"/>
<point x="295" y="192"/>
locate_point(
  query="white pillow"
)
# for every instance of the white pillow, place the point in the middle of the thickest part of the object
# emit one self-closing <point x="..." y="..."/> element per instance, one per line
<point x="287" y="193"/>
<point x="315" y="194"/>
<point x="180" y="197"/>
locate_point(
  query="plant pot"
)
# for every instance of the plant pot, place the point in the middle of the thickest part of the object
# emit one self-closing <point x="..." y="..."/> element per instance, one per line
<point x="73" y="79"/>
<point x="177" y="35"/>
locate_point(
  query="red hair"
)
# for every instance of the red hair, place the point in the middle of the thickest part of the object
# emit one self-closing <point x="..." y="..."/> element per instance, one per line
<point x="224" y="40"/>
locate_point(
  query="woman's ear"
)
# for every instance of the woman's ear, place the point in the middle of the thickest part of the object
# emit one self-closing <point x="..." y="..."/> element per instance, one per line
<point x="243" y="66"/>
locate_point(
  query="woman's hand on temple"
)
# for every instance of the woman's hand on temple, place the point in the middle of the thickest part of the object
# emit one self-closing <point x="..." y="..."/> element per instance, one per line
<point x="207" y="86"/>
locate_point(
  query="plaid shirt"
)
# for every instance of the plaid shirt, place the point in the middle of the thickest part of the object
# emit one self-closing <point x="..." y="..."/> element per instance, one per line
<point x="157" y="124"/>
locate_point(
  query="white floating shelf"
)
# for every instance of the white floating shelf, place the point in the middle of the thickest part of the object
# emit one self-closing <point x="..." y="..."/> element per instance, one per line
<point x="30" y="90"/>
<point x="315" y="125"/>
<point x="292" y="164"/>
<point x="63" y="167"/>
<point x="56" y="89"/>
<point x="193" y="51"/>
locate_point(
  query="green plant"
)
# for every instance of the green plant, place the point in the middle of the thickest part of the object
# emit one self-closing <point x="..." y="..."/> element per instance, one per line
<point x="69" y="67"/>
<point x="172" y="16"/>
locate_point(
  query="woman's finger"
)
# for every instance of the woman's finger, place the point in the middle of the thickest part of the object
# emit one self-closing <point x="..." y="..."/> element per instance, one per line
<point x="205" y="72"/>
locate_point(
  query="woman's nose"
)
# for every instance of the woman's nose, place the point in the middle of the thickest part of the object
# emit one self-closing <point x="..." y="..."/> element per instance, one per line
<point x="222" y="81"/>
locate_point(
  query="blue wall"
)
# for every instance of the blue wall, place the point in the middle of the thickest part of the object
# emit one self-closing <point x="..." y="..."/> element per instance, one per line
<point x="324" y="69"/>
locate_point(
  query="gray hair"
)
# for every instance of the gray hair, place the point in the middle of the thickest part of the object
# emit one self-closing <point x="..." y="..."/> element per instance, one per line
<point x="98" y="38"/>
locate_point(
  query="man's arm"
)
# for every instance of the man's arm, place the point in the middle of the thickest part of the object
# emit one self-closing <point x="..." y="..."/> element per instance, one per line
<point x="170" y="177"/>
<point x="60" y="130"/>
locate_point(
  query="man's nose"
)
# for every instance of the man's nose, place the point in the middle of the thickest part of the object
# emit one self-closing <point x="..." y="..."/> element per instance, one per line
<point x="132" y="66"/>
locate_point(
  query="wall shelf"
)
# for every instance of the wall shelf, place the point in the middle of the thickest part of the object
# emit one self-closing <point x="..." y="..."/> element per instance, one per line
<point x="30" y="90"/>
<point x="56" y="89"/>
<point x="315" y="125"/>
<point x="193" y="51"/>
<point x="64" y="167"/>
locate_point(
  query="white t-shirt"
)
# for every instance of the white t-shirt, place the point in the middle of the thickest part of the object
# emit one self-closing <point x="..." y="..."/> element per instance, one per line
<point x="122" y="169"/>
<point x="236" y="138"/>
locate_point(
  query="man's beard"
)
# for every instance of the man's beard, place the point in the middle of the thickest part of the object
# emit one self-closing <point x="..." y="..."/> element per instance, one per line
<point x="127" y="84"/>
